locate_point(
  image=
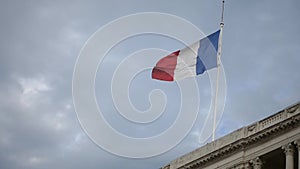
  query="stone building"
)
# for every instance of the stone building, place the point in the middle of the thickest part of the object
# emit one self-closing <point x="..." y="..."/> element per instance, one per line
<point x="272" y="143"/>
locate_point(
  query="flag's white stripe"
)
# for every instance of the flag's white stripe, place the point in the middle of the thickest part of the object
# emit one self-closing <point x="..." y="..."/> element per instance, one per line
<point x="186" y="62"/>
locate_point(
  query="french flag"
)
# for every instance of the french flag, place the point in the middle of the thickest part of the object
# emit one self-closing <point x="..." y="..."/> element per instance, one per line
<point x="190" y="61"/>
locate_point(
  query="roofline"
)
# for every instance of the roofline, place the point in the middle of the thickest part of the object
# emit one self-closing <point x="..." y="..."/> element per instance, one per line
<point x="243" y="137"/>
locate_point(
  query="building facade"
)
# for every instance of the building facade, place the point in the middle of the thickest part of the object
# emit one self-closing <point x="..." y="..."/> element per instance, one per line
<point x="272" y="143"/>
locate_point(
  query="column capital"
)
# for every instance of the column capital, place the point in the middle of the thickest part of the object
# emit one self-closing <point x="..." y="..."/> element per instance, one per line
<point x="288" y="149"/>
<point x="247" y="165"/>
<point x="297" y="143"/>
<point x="257" y="163"/>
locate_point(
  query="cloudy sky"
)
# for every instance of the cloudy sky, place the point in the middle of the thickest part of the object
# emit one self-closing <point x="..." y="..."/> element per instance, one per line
<point x="41" y="40"/>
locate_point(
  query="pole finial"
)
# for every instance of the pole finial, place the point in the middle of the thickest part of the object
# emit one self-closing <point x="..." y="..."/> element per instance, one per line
<point x="222" y="16"/>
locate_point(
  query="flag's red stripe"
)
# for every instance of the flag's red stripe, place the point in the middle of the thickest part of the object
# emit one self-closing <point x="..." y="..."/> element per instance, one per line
<point x="164" y="69"/>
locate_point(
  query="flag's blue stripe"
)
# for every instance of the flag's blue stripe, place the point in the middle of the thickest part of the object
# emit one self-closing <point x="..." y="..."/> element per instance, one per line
<point x="207" y="53"/>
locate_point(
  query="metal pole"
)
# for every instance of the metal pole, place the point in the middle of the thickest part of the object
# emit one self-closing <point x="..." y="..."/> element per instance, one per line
<point x="218" y="72"/>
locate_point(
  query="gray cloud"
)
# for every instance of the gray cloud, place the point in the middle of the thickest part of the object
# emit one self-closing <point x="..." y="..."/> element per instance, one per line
<point x="40" y="41"/>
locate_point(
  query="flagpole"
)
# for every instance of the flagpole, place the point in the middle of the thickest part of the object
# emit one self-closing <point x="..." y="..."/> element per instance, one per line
<point x="218" y="72"/>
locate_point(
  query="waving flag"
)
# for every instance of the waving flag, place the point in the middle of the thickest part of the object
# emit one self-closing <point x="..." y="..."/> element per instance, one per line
<point x="190" y="61"/>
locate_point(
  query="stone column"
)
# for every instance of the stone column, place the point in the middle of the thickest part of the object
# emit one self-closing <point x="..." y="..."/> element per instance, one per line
<point x="297" y="142"/>
<point x="257" y="163"/>
<point x="289" y="156"/>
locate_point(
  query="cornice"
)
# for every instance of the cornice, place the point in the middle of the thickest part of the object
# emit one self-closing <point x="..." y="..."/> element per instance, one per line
<point x="258" y="132"/>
